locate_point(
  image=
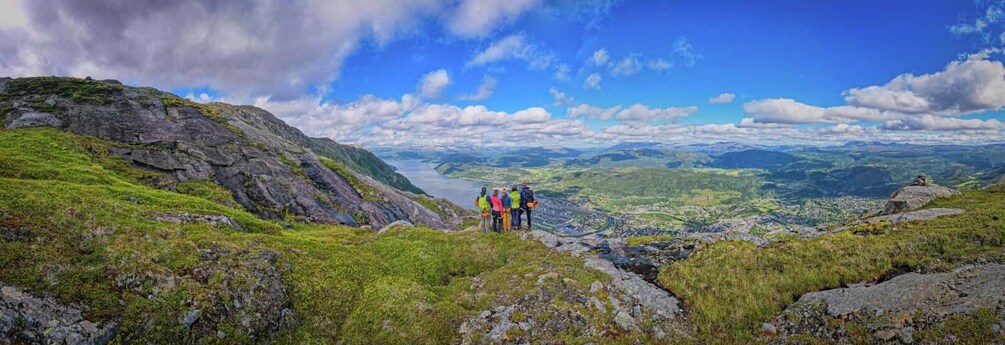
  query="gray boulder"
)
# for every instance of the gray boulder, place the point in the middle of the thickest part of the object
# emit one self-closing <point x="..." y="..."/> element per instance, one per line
<point x="895" y="309"/>
<point x="911" y="198"/>
<point x="961" y="291"/>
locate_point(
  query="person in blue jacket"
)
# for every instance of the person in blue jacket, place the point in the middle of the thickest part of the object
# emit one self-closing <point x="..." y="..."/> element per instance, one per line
<point x="526" y="197"/>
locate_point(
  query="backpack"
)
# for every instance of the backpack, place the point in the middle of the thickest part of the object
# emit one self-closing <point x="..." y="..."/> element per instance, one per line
<point x="530" y="196"/>
<point x="483" y="203"/>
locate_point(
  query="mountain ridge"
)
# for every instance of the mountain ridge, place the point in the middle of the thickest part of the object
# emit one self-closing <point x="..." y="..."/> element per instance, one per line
<point x="270" y="168"/>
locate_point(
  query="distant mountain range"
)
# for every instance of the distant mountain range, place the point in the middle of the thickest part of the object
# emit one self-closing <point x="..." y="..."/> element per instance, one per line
<point x="867" y="169"/>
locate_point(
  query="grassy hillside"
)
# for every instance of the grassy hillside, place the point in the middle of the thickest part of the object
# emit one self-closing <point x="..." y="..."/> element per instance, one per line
<point x="729" y="288"/>
<point x="80" y="226"/>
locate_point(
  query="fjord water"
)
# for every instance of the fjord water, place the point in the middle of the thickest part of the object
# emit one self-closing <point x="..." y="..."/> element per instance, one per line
<point x="422" y="174"/>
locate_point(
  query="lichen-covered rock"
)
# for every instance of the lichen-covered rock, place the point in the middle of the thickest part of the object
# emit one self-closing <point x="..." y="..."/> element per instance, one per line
<point x="650" y="296"/>
<point x="29" y="319"/>
<point x="911" y="198"/>
<point x="29" y="118"/>
<point x="186" y="218"/>
<point x="894" y="309"/>
<point x="926" y="214"/>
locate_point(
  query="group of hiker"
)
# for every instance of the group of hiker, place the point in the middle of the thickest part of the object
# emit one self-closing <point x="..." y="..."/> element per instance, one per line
<point x="502" y="211"/>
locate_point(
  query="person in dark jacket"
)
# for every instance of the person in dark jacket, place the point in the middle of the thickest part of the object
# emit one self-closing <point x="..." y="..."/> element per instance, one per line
<point x="507" y="205"/>
<point x="526" y="196"/>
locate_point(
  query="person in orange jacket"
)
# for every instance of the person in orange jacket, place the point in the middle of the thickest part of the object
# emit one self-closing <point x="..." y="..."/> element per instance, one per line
<point x="507" y="209"/>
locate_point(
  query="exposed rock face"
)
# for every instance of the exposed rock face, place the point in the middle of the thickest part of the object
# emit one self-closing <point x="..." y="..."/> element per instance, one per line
<point x="263" y="162"/>
<point x="645" y="294"/>
<point x="33" y="320"/>
<point x="961" y="291"/>
<point x="926" y="214"/>
<point x="913" y="197"/>
<point x="895" y="309"/>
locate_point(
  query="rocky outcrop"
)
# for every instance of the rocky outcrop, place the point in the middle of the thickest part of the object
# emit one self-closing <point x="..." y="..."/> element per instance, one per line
<point x="913" y="197"/>
<point x="186" y="218"/>
<point x="926" y="214"/>
<point x="29" y="319"/>
<point x="643" y="293"/>
<point x="558" y="305"/>
<point x="712" y="237"/>
<point x="249" y="295"/>
<point x="895" y="309"/>
<point x="264" y="163"/>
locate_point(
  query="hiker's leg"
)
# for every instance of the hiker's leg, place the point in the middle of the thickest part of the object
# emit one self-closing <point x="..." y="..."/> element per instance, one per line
<point x="529" y="223"/>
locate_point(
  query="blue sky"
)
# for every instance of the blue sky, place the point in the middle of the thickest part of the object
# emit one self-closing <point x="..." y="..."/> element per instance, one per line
<point x="448" y="73"/>
<point x="786" y="48"/>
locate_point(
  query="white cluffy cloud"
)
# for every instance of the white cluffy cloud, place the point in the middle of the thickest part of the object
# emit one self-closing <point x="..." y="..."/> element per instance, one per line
<point x="788" y="111"/>
<point x="593" y="112"/>
<point x="560" y="98"/>
<point x="599" y="57"/>
<point x="245" y="48"/>
<point x="593" y="81"/>
<point x="908" y="102"/>
<point x="625" y="67"/>
<point x="409" y="122"/>
<point x="636" y="114"/>
<point x="973" y="85"/>
<point x="433" y="83"/>
<point x="476" y="18"/>
<point x="641" y="114"/>
<point x="722" y="99"/>
<point x="485" y="90"/>
<point x="682" y="54"/>
<point x="512" y="47"/>
<point x="935" y="123"/>
<point x="659" y="65"/>
<point x="988" y="25"/>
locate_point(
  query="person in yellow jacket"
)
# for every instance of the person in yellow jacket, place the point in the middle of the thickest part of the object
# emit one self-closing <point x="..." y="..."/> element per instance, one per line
<point x="515" y="211"/>
<point x="484" y="206"/>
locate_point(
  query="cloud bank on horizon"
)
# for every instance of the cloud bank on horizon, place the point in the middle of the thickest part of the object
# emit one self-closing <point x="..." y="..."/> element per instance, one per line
<point x="461" y="73"/>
